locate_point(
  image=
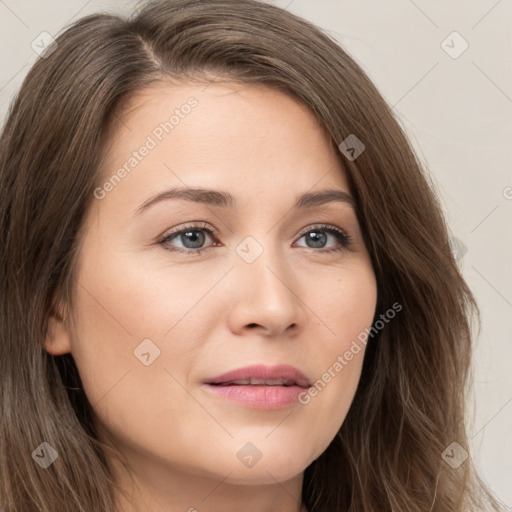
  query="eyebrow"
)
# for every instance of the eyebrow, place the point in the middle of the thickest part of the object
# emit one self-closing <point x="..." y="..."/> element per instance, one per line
<point x="225" y="200"/>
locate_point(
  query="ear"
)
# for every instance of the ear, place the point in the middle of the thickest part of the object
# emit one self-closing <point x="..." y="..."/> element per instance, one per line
<point x="58" y="340"/>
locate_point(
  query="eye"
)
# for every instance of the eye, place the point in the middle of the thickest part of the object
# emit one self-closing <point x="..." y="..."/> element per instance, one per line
<point x="193" y="237"/>
<point x="189" y="236"/>
<point x="315" y="235"/>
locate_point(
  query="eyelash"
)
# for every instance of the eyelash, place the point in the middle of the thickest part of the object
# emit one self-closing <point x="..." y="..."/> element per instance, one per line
<point x="343" y="238"/>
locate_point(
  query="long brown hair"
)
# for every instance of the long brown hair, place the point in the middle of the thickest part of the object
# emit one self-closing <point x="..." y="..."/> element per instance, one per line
<point x="410" y="402"/>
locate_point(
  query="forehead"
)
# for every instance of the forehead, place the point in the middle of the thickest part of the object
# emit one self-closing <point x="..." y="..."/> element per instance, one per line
<point x="255" y="113"/>
<point x="227" y="136"/>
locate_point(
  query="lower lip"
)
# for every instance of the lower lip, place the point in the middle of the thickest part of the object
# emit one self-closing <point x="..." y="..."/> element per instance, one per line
<point x="259" y="397"/>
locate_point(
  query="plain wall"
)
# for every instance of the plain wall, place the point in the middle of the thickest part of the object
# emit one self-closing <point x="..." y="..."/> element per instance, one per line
<point x="457" y="112"/>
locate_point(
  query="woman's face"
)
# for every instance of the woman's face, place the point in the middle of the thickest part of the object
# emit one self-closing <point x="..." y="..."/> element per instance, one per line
<point x="272" y="284"/>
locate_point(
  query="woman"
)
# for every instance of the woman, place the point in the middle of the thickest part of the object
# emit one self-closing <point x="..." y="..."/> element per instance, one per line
<point x="226" y="281"/>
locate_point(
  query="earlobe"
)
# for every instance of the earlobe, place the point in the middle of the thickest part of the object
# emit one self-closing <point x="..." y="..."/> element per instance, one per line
<point x="57" y="341"/>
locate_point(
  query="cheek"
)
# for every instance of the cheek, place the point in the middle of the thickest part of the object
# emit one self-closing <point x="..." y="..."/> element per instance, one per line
<point x="132" y="382"/>
<point x="347" y="310"/>
<point x="346" y="307"/>
<point x="137" y="337"/>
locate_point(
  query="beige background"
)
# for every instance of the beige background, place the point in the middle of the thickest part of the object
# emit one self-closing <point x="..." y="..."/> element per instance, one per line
<point x="457" y="111"/>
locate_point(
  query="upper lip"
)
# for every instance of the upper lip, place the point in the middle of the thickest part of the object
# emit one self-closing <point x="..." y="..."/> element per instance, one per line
<point x="290" y="374"/>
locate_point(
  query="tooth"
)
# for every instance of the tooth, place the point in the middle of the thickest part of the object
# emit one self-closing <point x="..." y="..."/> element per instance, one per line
<point x="241" y="382"/>
<point x="275" y="382"/>
<point x="257" y="381"/>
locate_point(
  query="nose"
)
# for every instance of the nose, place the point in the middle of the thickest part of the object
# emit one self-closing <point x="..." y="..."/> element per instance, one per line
<point x="266" y="299"/>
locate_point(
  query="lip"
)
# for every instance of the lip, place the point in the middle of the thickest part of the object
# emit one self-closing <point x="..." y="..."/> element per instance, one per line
<point x="264" y="396"/>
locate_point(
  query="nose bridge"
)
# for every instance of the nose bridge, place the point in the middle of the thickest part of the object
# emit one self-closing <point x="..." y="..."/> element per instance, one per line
<point x="261" y="260"/>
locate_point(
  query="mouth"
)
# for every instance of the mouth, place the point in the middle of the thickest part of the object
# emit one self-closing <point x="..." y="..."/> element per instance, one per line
<point x="260" y="387"/>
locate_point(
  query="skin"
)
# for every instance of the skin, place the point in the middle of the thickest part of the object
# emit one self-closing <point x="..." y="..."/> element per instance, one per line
<point x="213" y="312"/>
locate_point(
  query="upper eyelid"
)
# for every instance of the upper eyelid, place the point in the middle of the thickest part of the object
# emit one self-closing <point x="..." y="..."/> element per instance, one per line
<point x="178" y="230"/>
